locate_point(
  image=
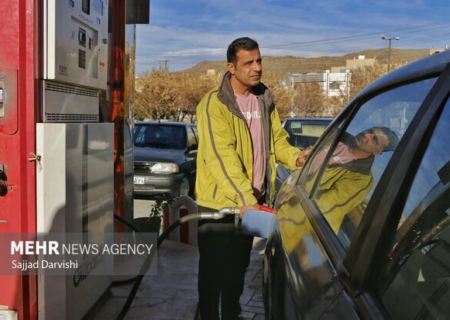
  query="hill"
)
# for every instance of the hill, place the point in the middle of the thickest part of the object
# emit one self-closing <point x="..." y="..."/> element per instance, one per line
<point x="283" y="65"/>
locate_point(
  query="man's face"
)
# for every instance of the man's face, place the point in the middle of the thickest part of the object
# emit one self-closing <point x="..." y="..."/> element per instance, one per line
<point x="247" y="70"/>
<point x="372" y="141"/>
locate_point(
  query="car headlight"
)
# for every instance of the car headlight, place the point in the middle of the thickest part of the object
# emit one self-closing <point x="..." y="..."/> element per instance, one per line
<point x="163" y="167"/>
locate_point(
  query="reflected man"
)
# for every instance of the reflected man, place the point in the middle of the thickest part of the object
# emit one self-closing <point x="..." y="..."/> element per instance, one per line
<point x="348" y="177"/>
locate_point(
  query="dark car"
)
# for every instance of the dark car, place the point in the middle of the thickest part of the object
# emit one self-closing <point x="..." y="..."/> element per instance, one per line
<point x="303" y="133"/>
<point x="363" y="230"/>
<point x="164" y="158"/>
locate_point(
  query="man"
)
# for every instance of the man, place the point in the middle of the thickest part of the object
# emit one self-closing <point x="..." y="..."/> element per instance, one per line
<point x="240" y="140"/>
<point x="348" y="177"/>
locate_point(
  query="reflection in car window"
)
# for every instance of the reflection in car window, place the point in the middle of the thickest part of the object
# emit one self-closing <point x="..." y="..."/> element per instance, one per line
<point x="416" y="284"/>
<point x="354" y="165"/>
<point x="139" y="134"/>
<point x="308" y="179"/>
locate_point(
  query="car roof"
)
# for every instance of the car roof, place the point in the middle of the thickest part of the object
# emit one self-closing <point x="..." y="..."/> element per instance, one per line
<point x="418" y="69"/>
<point x="309" y="119"/>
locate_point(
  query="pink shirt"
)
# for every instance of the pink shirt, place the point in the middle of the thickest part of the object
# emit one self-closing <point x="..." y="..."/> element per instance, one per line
<point x="249" y="106"/>
<point x="342" y="154"/>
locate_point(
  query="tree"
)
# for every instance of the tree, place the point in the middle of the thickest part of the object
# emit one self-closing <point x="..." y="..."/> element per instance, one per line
<point x="309" y="100"/>
<point x="152" y="95"/>
<point x="163" y="95"/>
<point x="189" y="89"/>
<point x="283" y="96"/>
<point x="364" y="76"/>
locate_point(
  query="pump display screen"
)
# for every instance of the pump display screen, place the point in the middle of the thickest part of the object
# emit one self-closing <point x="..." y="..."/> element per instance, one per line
<point x="80" y="30"/>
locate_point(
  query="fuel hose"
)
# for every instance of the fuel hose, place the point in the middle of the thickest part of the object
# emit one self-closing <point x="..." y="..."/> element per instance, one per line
<point x="147" y="262"/>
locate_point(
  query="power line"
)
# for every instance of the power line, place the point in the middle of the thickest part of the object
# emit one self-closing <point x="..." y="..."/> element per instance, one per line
<point x="360" y="36"/>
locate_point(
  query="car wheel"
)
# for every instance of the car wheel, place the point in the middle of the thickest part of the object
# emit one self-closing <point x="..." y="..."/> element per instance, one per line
<point x="184" y="188"/>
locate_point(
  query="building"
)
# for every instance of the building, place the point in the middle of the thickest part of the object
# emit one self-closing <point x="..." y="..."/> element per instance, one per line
<point x="355" y="63"/>
<point x="434" y="50"/>
<point x="333" y="84"/>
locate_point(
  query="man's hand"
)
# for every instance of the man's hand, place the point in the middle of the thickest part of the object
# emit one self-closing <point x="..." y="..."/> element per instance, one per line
<point x="302" y="157"/>
<point x="248" y="207"/>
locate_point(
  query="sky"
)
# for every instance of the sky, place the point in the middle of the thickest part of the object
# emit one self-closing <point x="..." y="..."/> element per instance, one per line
<point x="183" y="33"/>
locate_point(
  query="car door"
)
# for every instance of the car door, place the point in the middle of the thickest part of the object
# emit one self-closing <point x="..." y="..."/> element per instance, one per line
<point x="319" y="219"/>
<point x="402" y="251"/>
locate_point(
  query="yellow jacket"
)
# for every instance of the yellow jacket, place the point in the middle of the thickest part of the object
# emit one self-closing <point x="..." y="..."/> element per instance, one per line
<point x="343" y="188"/>
<point x="225" y="156"/>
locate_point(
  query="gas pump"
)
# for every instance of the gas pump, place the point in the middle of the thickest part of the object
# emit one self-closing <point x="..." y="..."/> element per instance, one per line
<point x="57" y="169"/>
<point x="75" y="174"/>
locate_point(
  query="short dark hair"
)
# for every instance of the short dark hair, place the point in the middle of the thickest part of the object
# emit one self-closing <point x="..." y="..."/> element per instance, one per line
<point x="392" y="137"/>
<point x="244" y="43"/>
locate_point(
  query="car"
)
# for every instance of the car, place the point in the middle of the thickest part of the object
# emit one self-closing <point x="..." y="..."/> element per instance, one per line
<point x="303" y="133"/>
<point x="164" y="159"/>
<point x="363" y="229"/>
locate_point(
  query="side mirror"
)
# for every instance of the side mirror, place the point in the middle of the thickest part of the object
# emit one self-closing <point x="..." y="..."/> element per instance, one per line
<point x="259" y="223"/>
<point x="192" y="154"/>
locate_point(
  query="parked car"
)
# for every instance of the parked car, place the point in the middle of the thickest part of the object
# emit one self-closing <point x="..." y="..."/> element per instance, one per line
<point x="164" y="158"/>
<point x="303" y="133"/>
<point x="366" y="234"/>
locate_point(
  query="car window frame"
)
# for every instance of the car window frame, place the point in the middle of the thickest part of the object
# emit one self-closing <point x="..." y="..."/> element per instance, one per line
<point x="356" y="265"/>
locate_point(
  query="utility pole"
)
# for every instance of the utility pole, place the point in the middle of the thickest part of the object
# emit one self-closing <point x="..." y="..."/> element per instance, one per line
<point x="389" y="50"/>
<point x="165" y="63"/>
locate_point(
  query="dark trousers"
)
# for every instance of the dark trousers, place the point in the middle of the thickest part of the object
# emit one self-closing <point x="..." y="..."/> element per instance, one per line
<point x="224" y="258"/>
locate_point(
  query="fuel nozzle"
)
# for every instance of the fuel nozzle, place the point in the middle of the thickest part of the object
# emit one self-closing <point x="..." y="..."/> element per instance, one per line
<point x="233" y="211"/>
<point x="220" y="214"/>
<point x="212" y="215"/>
<point x="259" y="223"/>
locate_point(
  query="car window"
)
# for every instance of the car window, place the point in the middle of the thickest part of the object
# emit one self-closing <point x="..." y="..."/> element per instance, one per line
<point x="160" y="136"/>
<point x="192" y="137"/>
<point x="304" y="133"/>
<point x="417" y="280"/>
<point x="350" y="168"/>
<point x="194" y="128"/>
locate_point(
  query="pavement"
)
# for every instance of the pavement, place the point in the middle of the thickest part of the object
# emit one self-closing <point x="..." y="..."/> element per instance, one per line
<point x="171" y="294"/>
